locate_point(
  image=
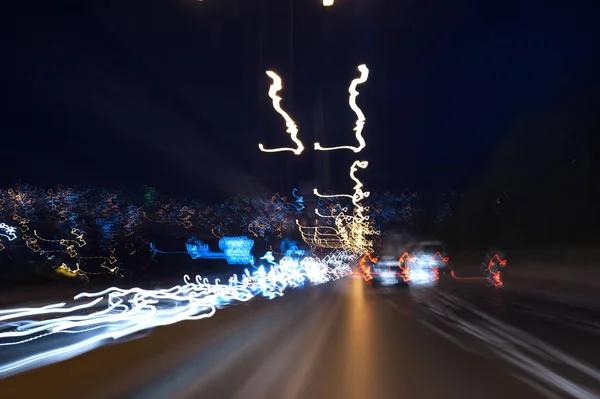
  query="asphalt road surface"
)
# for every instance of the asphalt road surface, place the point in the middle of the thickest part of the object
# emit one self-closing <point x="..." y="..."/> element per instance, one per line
<point x="348" y="340"/>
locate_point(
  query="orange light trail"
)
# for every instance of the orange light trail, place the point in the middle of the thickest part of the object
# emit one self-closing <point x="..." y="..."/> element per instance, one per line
<point x="495" y="277"/>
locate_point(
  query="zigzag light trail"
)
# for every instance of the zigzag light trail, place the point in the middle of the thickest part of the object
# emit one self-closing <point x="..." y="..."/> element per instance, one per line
<point x="292" y="129"/>
<point x="360" y="116"/>
<point x="351" y="232"/>
<point x="101" y="317"/>
<point x="124" y="312"/>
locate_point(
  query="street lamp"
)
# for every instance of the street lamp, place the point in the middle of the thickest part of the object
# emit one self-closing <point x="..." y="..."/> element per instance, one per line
<point x="327" y="3"/>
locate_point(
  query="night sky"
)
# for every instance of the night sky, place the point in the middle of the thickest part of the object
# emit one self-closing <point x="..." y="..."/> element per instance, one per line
<point x="173" y="93"/>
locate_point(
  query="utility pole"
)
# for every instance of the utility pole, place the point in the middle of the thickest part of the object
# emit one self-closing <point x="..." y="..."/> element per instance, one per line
<point x="262" y="21"/>
<point x="290" y="86"/>
<point x="322" y="160"/>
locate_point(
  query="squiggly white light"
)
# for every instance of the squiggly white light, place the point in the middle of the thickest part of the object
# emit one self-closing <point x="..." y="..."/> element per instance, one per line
<point x="292" y="129"/>
<point x="351" y="232"/>
<point x="8" y="231"/>
<point x="358" y="195"/>
<point x="123" y="312"/>
<point x="360" y="116"/>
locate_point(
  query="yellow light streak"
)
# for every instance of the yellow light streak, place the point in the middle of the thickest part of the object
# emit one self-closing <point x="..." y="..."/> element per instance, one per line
<point x="360" y="116"/>
<point x="23" y="223"/>
<point x="68" y="272"/>
<point x="292" y="129"/>
<point x="79" y="272"/>
<point x="316" y="192"/>
<point x="351" y="232"/>
<point x="332" y="215"/>
<point x="359" y="194"/>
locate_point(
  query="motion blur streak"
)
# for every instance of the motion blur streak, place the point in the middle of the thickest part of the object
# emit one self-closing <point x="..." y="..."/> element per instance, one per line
<point x="298" y="347"/>
<point x="360" y="332"/>
<point x="7" y="231"/>
<point x="344" y="340"/>
<point x="521" y="349"/>
<point x="129" y="311"/>
<point x="360" y="116"/>
<point x="292" y="129"/>
<point x="351" y="232"/>
<point x="492" y="272"/>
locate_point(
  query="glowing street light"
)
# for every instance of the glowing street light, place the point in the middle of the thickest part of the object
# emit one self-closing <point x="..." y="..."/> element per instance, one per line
<point x="360" y="117"/>
<point x="327" y="3"/>
<point x="292" y="128"/>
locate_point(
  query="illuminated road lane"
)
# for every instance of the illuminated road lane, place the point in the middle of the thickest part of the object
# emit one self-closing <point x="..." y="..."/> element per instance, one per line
<point x="345" y="340"/>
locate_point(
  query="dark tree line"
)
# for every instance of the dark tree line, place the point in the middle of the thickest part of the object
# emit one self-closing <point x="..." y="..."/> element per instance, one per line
<point x="541" y="188"/>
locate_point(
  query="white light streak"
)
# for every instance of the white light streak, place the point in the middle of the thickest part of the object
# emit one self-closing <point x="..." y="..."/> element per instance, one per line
<point x="292" y="129"/>
<point x="360" y="117"/>
<point x="114" y="313"/>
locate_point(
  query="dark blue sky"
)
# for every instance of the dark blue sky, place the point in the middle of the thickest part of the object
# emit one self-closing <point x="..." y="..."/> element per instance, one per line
<point x="173" y="93"/>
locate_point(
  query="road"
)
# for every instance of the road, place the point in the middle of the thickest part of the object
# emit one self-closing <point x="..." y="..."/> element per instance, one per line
<point x="347" y="340"/>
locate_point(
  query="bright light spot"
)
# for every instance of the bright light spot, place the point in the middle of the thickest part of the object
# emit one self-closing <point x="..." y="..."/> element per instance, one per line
<point x="237" y="250"/>
<point x="7" y="231"/>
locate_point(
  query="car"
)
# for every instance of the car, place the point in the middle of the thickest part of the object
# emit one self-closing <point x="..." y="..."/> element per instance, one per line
<point x="432" y="252"/>
<point x="387" y="272"/>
